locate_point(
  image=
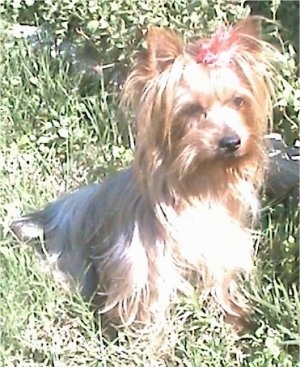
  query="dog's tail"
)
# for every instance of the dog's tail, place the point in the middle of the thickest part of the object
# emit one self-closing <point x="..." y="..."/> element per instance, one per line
<point x="61" y="215"/>
<point x="40" y="223"/>
<point x="26" y="228"/>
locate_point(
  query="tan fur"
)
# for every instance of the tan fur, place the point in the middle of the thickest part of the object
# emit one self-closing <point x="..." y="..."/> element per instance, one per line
<point x="182" y="216"/>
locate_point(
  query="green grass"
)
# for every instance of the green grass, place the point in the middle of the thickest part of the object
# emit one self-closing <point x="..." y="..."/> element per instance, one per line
<point x="54" y="138"/>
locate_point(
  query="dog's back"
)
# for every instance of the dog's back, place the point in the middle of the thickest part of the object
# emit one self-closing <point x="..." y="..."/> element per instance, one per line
<point x="77" y="227"/>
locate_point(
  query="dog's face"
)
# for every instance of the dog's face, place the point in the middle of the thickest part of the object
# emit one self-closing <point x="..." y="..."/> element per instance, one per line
<point x="203" y="105"/>
<point x="214" y="119"/>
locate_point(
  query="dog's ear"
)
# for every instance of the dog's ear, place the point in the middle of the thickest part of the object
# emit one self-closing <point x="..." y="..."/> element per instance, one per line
<point x="163" y="47"/>
<point x="250" y="26"/>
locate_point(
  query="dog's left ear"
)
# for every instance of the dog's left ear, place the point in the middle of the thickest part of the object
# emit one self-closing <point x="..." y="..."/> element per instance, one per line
<point x="250" y="26"/>
<point x="163" y="47"/>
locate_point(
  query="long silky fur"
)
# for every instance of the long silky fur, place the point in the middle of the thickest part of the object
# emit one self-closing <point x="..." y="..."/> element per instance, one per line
<point x="160" y="227"/>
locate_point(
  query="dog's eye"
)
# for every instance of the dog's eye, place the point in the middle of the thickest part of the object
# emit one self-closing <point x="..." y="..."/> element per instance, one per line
<point x="238" y="101"/>
<point x="195" y="109"/>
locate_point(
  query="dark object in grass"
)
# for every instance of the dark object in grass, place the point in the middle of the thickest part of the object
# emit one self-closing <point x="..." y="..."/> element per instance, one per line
<point x="283" y="172"/>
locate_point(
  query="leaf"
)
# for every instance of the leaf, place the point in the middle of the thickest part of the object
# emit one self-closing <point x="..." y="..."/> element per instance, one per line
<point x="274" y="6"/>
<point x="34" y="80"/>
<point x="63" y="133"/>
<point x="92" y="26"/>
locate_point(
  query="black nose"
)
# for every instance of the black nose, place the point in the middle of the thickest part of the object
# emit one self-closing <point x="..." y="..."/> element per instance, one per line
<point x="230" y="143"/>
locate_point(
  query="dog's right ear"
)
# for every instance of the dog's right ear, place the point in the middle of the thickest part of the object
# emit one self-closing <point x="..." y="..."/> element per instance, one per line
<point x="163" y="47"/>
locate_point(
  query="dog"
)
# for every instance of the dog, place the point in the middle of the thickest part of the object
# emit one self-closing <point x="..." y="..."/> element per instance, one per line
<point x="181" y="217"/>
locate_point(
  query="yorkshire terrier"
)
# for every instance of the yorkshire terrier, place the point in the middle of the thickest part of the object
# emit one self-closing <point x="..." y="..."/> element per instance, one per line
<point x="182" y="215"/>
